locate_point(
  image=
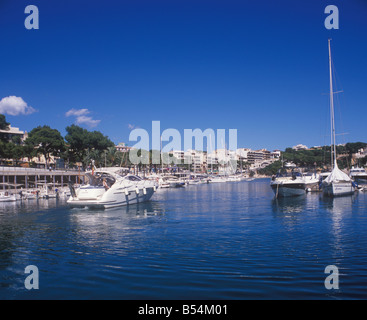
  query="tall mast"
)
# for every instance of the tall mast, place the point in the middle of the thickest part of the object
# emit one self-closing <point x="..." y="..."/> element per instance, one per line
<point x="161" y="156"/>
<point x="332" y="120"/>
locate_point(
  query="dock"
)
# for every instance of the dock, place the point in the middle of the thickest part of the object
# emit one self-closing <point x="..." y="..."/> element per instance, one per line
<point x="32" y="177"/>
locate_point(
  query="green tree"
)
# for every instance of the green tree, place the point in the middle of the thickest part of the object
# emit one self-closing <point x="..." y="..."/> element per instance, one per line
<point x="271" y="169"/>
<point x="77" y="139"/>
<point x="93" y="154"/>
<point x="46" y="141"/>
<point x="84" y="145"/>
<point x="98" y="141"/>
<point x="3" y="124"/>
<point x="16" y="152"/>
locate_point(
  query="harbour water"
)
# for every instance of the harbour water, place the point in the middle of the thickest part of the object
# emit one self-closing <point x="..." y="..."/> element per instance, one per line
<point x="213" y="241"/>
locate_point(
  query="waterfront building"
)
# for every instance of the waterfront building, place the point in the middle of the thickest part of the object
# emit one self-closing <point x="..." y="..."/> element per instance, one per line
<point x="179" y="155"/>
<point x="11" y="132"/>
<point x="196" y="159"/>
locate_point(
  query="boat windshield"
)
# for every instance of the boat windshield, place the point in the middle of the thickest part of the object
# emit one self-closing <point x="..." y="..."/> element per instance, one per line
<point x="96" y="180"/>
<point x="282" y="173"/>
<point x="309" y="174"/>
<point x="133" y="178"/>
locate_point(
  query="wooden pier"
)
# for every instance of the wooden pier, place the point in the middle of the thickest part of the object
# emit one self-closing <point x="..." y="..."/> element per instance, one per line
<point x="32" y="177"/>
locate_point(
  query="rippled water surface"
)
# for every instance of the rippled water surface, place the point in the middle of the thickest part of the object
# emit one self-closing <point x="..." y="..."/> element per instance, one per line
<point x="215" y="241"/>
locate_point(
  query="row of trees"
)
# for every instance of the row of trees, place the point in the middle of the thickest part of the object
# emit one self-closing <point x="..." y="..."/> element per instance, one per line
<point x="79" y="145"/>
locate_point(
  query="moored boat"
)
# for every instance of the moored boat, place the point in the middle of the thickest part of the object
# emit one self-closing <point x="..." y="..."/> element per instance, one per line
<point x="337" y="183"/>
<point x="7" y="197"/>
<point x="358" y="174"/>
<point x="107" y="190"/>
<point x="288" y="183"/>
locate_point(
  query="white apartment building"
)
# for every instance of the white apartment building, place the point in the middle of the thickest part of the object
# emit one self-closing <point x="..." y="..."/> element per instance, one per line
<point x="201" y="161"/>
<point x="300" y="147"/>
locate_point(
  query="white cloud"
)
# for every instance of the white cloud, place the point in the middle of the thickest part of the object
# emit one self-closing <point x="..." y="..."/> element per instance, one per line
<point x="82" y="118"/>
<point x="15" y="106"/>
<point x="77" y="112"/>
<point x="87" y="120"/>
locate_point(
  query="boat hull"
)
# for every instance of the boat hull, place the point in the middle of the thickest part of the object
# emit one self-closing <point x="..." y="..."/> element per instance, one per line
<point x="336" y="189"/>
<point x="11" y="198"/>
<point x="121" y="199"/>
<point x="289" y="190"/>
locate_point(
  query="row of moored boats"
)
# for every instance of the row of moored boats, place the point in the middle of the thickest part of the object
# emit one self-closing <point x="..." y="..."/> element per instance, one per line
<point x="335" y="183"/>
<point x="107" y="188"/>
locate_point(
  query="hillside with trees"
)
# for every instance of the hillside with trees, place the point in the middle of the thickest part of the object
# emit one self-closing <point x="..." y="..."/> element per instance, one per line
<point x="319" y="158"/>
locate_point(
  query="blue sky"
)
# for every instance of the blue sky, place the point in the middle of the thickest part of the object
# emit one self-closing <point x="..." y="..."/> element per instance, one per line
<point x="261" y="68"/>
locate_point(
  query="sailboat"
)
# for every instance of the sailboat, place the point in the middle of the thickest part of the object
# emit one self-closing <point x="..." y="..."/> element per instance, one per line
<point x="337" y="183"/>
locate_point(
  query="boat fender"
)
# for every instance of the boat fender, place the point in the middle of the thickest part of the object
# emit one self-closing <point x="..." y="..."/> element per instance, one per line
<point x="137" y="191"/>
<point x="144" y="190"/>
<point x="126" y="192"/>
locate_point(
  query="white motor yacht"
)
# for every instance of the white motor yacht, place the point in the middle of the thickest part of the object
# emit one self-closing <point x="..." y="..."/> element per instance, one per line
<point x="358" y="174"/>
<point x="170" y="182"/>
<point x="288" y="183"/>
<point x="106" y="189"/>
<point x="14" y="195"/>
<point x="217" y="179"/>
<point x="29" y="195"/>
<point x="7" y="197"/>
<point x="46" y="192"/>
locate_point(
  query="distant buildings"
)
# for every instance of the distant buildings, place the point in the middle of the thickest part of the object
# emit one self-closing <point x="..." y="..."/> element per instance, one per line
<point x="38" y="161"/>
<point x="361" y="153"/>
<point x="300" y="147"/>
<point x="122" y="147"/>
<point x="201" y="161"/>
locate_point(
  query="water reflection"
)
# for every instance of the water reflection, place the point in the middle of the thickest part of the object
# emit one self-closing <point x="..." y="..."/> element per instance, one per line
<point x="18" y="220"/>
<point x="210" y="241"/>
<point x="141" y="209"/>
<point x="338" y="205"/>
<point x="340" y="209"/>
<point x="29" y="205"/>
<point x="90" y="223"/>
<point x="289" y="205"/>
